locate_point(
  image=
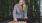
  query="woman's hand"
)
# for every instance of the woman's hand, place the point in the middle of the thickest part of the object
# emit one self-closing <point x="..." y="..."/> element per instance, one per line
<point x="15" y="19"/>
<point x="25" y="18"/>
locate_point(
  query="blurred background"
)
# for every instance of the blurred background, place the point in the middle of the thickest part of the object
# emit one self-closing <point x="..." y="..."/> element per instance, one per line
<point x="34" y="10"/>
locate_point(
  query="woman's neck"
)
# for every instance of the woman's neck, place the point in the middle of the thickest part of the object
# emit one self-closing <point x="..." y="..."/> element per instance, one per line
<point x="20" y="6"/>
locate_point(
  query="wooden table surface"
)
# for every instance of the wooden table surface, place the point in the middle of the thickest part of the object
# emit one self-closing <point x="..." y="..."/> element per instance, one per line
<point x="17" y="22"/>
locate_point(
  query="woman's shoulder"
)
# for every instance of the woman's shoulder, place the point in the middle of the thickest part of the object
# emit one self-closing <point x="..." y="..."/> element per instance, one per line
<point x="15" y="4"/>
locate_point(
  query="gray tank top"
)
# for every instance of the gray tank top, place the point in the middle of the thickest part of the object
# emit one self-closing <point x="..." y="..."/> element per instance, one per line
<point x="19" y="12"/>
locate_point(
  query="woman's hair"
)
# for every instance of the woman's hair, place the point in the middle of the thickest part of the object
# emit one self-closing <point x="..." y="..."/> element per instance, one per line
<point x="24" y="5"/>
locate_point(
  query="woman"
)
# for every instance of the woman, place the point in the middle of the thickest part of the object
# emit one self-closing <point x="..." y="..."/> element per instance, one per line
<point x="20" y="10"/>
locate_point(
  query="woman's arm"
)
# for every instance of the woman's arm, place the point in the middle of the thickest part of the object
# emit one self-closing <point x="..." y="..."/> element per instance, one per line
<point x="25" y="13"/>
<point x="14" y="12"/>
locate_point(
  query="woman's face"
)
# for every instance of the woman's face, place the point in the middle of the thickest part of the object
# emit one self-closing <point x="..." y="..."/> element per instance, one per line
<point x="21" y="2"/>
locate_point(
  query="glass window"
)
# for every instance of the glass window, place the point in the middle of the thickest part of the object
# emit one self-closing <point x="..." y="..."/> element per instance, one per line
<point x="41" y="7"/>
